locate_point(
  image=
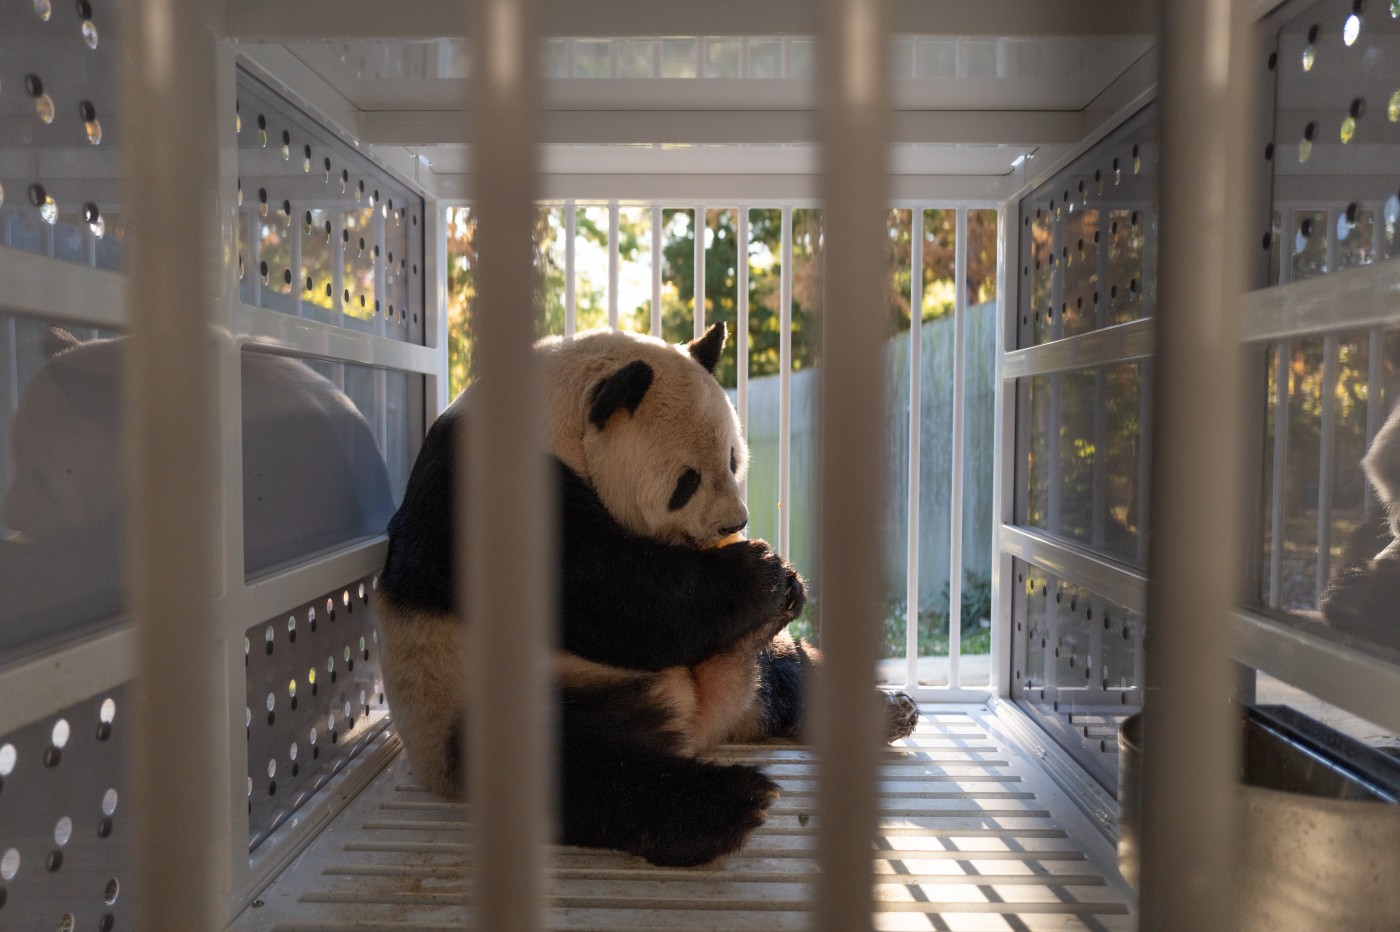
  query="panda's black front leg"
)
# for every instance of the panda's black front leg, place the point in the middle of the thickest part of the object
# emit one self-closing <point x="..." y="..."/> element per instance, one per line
<point x="674" y="811"/>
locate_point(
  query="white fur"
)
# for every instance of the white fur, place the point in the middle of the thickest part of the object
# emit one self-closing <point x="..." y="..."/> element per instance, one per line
<point x="685" y="421"/>
<point x="1382" y="465"/>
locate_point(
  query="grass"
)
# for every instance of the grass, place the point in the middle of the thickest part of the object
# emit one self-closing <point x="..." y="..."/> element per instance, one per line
<point x="933" y="623"/>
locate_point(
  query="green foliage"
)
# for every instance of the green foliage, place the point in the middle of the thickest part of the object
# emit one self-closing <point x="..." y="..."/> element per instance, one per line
<point x="976" y="634"/>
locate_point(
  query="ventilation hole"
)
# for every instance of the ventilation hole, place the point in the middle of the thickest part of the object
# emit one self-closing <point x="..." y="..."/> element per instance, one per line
<point x="9" y="864"/>
<point x="8" y="757"/>
<point x="104" y="828"/>
<point x="108" y="923"/>
<point x="62" y="831"/>
<point x="54" y="861"/>
<point x="52" y="756"/>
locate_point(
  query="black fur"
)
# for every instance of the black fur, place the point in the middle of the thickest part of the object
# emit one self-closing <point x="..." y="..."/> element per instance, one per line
<point x="783" y="676"/>
<point x="679" y="605"/>
<point x="686" y="486"/>
<point x="623" y="389"/>
<point x="1361" y="595"/>
<point x="673" y="811"/>
<point x="706" y="350"/>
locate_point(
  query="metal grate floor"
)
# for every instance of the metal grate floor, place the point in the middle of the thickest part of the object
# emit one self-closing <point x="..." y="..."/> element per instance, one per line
<point x="973" y="837"/>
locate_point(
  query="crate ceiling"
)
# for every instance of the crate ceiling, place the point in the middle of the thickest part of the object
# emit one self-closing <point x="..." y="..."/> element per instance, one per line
<point x="724" y="87"/>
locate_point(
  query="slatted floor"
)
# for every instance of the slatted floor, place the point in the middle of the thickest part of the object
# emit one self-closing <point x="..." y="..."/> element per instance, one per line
<point x="973" y="837"/>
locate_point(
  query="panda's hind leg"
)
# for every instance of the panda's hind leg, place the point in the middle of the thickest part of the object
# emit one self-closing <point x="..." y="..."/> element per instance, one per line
<point x="786" y="670"/>
<point x="674" y="811"/>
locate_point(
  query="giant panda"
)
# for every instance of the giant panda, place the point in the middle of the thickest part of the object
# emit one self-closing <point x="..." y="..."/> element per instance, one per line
<point x="670" y="644"/>
<point x="1361" y="596"/>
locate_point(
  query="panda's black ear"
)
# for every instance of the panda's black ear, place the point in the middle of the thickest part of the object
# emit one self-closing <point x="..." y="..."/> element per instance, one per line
<point x="706" y="350"/>
<point x="623" y="389"/>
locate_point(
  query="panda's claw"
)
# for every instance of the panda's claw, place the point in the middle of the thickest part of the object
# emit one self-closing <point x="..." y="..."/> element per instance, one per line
<point x="902" y="715"/>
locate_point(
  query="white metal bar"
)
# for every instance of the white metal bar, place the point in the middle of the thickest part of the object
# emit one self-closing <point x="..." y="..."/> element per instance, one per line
<point x="742" y="306"/>
<point x="1190" y="748"/>
<point x="1003" y="440"/>
<point x="504" y="490"/>
<point x="698" y="227"/>
<point x="1327" y="459"/>
<point x="321" y="20"/>
<point x="854" y="81"/>
<point x="1118" y="343"/>
<point x="769" y="188"/>
<point x="273" y="330"/>
<point x="916" y="363"/>
<point x="778" y="126"/>
<point x="1358" y="681"/>
<point x="1375" y="397"/>
<point x="173" y="485"/>
<point x="614" y="262"/>
<point x="955" y="516"/>
<point x="785" y="384"/>
<point x="63" y="291"/>
<point x="1108" y="578"/>
<point x="436" y="324"/>
<point x="1277" y="519"/>
<point x="1351" y="300"/>
<point x="656" y="264"/>
<point x="570" y="270"/>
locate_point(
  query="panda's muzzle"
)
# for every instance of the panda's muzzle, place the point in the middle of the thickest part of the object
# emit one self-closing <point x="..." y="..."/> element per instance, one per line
<point x="735" y="529"/>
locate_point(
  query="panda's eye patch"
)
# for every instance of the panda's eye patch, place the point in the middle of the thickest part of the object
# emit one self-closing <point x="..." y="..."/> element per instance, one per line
<point x="685" y="488"/>
<point x="733" y="462"/>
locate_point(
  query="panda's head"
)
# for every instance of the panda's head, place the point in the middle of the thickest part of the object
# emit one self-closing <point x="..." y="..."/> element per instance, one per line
<point x="659" y="440"/>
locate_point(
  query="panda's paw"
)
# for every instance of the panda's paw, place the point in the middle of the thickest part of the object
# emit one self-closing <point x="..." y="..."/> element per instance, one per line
<point x="902" y="715"/>
<point x="796" y="595"/>
<point x="716" y="817"/>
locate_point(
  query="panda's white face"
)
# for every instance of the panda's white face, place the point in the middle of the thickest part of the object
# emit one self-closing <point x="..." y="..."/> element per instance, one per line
<point x="661" y="442"/>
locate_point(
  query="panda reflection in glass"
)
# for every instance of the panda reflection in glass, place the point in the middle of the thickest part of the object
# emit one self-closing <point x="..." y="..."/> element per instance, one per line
<point x="673" y="629"/>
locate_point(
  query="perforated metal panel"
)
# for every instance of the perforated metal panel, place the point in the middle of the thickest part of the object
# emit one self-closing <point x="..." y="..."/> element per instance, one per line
<point x="1088" y="239"/>
<point x="65" y="841"/>
<point x="1335" y="147"/>
<point x="1077" y="664"/>
<point x="60" y="164"/>
<point x="315" y="699"/>
<point x="323" y="232"/>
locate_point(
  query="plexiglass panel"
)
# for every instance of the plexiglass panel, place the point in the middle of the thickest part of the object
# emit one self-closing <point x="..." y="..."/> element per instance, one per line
<point x="1332" y="485"/>
<point x="315" y="474"/>
<point x="62" y="441"/>
<point x="1083" y="476"/>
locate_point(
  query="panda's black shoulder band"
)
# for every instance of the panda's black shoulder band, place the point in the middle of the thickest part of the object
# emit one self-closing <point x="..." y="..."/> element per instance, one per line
<point x="623" y="389"/>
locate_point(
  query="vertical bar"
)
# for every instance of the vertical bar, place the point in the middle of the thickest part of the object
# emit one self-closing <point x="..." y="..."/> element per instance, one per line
<point x="1327" y="459"/>
<point x="656" y="257"/>
<point x="785" y="383"/>
<point x="1375" y="401"/>
<point x="699" y="228"/>
<point x="435" y="306"/>
<point x="337" y="265"/>
<point x="254" y="258"/>
<point x="1003" y="440"/>
<point x="504" y="488"/>
<point x="1057" y="380"/>
<point x="570" y="286"/>
<point x="1278" y="520"/>
<point x="956" y="478"/>
<point x="297" y="287"/>
<point x="614" y="259"/>
<point x="1191" y="731"/>
<point x="377" y="260"/>
<point x="916" y="363"/>
<point x="173" y="462"/>
<point x="742" y="302"/>
<point x="854" y="136"/>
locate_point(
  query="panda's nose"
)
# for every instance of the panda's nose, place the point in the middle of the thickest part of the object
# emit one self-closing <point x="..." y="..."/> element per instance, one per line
<point x="726" y="531"/>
